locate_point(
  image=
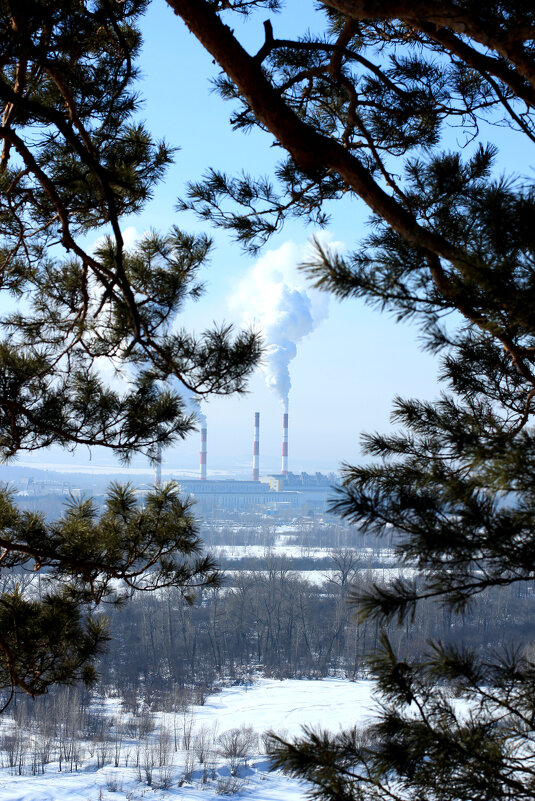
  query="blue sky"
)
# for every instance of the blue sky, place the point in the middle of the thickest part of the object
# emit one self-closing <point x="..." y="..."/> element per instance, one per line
<point x="347" y="371"/>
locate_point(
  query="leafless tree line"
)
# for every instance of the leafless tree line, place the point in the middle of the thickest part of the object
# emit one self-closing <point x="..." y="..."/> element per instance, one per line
<point x="275" y="622"/>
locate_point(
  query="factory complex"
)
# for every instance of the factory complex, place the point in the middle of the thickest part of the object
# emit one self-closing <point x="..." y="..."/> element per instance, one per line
<point x="284" y="491"/>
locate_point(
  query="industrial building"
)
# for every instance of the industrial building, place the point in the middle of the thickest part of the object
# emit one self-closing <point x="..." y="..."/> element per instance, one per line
<point x="289" y="491"/>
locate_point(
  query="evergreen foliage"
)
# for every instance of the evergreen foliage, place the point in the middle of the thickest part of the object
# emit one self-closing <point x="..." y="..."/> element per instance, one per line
<point x="75" y="161"/>
<point x="86" y="559"/>
<point x="367" y="109"/>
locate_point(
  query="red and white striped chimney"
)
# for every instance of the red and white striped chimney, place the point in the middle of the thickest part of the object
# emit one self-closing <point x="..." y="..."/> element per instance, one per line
<point x="158" y="467"/>
<point x="256" y="447"/>
<point x="284" y="470"/>
<point x="203" y="451"/>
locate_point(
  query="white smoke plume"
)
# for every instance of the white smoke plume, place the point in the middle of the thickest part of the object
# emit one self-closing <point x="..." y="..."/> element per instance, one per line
<point x="195" y="405"/>
<point x="192" y="401"/>
<point x="275" y="299"/>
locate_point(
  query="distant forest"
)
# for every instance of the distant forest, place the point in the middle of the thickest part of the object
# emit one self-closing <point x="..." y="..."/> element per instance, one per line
<point x="268" y="618"/>
<point x="276" y="623"/>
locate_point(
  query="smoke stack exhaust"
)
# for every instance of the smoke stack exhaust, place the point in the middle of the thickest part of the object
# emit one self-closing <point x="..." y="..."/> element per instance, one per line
<point x="158" y="467"/>
<point x="256" y="447"/>
<point x="203" y="452"/>
<point x="284" y="470"/>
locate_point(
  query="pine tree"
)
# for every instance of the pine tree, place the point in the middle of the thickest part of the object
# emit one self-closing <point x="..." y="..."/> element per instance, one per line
<point x="74" y="162"/>
<point x="367" y="109"/>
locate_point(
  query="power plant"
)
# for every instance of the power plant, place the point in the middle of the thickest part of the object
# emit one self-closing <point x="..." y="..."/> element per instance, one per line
<point x="273" y="492"/>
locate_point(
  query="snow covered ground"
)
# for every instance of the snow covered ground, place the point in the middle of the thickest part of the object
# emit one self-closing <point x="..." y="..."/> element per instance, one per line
<point x="283" y="706"/>
<point x="319" y="577"/>
<point x="293" y="551"/>
<point x="290" y="704"/>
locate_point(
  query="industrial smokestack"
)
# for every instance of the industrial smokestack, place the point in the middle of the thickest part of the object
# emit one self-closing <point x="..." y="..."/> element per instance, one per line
<point x="203" y="451"/>
<point x="284" y="470"/>
<point x="158" y="467"/>
<point x="256" y="447"/>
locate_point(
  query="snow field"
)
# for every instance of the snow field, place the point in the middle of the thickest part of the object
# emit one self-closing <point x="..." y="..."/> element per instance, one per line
<point x="319" y="577"/>
<point x="282" y="706"/>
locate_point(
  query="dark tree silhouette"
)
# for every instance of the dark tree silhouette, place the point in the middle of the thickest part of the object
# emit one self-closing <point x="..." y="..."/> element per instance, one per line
<point x="74" y="161"/>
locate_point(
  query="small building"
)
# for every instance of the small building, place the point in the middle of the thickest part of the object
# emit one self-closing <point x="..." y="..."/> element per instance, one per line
<point x="312" y="490"/>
